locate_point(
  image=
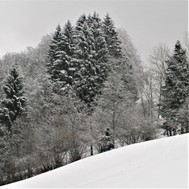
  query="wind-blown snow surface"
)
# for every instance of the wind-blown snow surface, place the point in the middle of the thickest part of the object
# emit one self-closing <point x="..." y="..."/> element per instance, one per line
<point x="158" y="163"/>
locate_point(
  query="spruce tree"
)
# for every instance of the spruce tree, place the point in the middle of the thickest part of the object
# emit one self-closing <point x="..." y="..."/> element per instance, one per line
<point x="54" y="48"/>
<point x="176" y="88"/>
<point x="111" y="37"/>
<point x="92" y="55"/>
<point x="79" y="56"/>
<point x="83" y="52"/>
<point x="64" y="65"/>
<point x="80" y="22"/>
<point x="54" y="45"/>
<point x="14" y="103"/>
<point x="99" y="56"/>
<point x="61" y="67"/>
<point x="100" y="48"/>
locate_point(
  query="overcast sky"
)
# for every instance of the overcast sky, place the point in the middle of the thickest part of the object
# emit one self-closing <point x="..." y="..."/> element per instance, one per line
<point x="148" y="22"/>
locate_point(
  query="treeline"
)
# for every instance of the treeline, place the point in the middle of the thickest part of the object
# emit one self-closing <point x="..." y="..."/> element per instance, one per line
<point x="81" y="91"/>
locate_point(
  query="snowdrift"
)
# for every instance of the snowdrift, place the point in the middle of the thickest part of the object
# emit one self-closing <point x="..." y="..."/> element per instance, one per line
<point x="154" y="164"/>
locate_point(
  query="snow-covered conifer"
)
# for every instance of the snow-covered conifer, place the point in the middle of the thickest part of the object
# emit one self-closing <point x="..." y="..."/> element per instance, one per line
<point x="111" y="37"/>
<point x="92" y="55"/>
<point x="62" y="67"/>
<point x="13" y="105"/>
<point x="54" y="45"/>
<point x="176" y="89"/>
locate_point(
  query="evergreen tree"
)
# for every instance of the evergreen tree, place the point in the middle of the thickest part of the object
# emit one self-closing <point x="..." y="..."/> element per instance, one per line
<point x="79" y="57"/>
<point x="62" y="65"/>
<point x="80" y="22"/>
<point x="176" y="89"/>
<point x="100" y="48"/>
<point x="13" y="105"/>
<point x="83" y="51"/>
<point x="111" y="37"/>
<point x="92" y="55"/>
<point x="54" y="47"/>
<point x="99" y="56"/>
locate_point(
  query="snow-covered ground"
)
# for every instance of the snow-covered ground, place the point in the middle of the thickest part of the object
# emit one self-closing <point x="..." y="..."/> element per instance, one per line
<point x="154" y="164"/>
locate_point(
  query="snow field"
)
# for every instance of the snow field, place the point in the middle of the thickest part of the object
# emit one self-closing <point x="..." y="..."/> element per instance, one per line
<point x="161" y="163"/>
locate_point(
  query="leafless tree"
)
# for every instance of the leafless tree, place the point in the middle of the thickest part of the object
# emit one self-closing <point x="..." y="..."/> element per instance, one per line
<point x="158" y="57"/>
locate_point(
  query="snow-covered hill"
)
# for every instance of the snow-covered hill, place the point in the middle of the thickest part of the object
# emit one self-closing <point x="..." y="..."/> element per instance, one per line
<point x="153" y="164"/>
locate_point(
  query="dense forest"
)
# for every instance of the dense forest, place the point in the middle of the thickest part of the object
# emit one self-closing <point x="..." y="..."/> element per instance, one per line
<point x="84" y="90"/>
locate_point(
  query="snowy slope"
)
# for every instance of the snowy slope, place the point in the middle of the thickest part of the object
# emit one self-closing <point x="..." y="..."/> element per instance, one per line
<point x="157" y="163"/>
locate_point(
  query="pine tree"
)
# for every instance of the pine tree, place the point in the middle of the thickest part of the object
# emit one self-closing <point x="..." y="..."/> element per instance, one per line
<point x="14" y="103"/>
<point x="79" y="56"/>
<point x="111" y="37"/>
<point x="62" y="65"/>
<point x="54" y="46"/>
<point x="99" y="56"/>
<point x="176" y="89"/>
<point x="83" y="51"/>
<point x="92" y="55"/>
<point x="80" y="22"/>
<point x="100" y="48"/>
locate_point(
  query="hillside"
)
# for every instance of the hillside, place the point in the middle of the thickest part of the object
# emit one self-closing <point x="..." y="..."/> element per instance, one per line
<point x="157" y="163"/>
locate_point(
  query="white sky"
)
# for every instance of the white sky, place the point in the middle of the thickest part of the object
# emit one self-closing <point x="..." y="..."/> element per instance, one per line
<point x="148" y="22"/>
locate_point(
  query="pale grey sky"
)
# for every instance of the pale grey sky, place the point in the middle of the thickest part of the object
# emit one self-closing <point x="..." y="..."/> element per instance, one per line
<point x="148" y="22"/>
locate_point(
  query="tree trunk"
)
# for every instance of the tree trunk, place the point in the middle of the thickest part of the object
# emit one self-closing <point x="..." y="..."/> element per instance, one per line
<point x="160" y="89"/>
<point x="187" y="128"/>
<point x="174" y="131"/>
<point x="91" y="150"/>
<point x="113" y="127"/>
<point x="182" y="130"/>
<point x="91" y="134"/>
<point x="170" y="132"/>
<point x="143" y="106"/>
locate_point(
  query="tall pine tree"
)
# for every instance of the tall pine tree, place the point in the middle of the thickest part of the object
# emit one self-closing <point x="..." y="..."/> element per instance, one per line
<point x="92" y="55"/>
<point x="111" y="36"/>
<point x="14" y="103"/>
<point x="176" y="89"/>
<point x="54" y="46"/>
<point x="79" y="56"/>
<point x="61" y="67"/>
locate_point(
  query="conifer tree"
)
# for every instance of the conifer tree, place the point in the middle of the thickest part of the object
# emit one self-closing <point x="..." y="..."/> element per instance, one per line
<point x="54" y="48"/>
<point x="14" y="103"/>
<point x="79" y="56"/>
<point x="100" y="46"/>
<point x="54" y="45"/>
<point x="92" y="55"/>
<point x="80" y="22"/>
<point x="99" y="56"/>
<point x="111" y="36"/>
<point x="176" y="89"/>
<point x="62" y="65"/>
